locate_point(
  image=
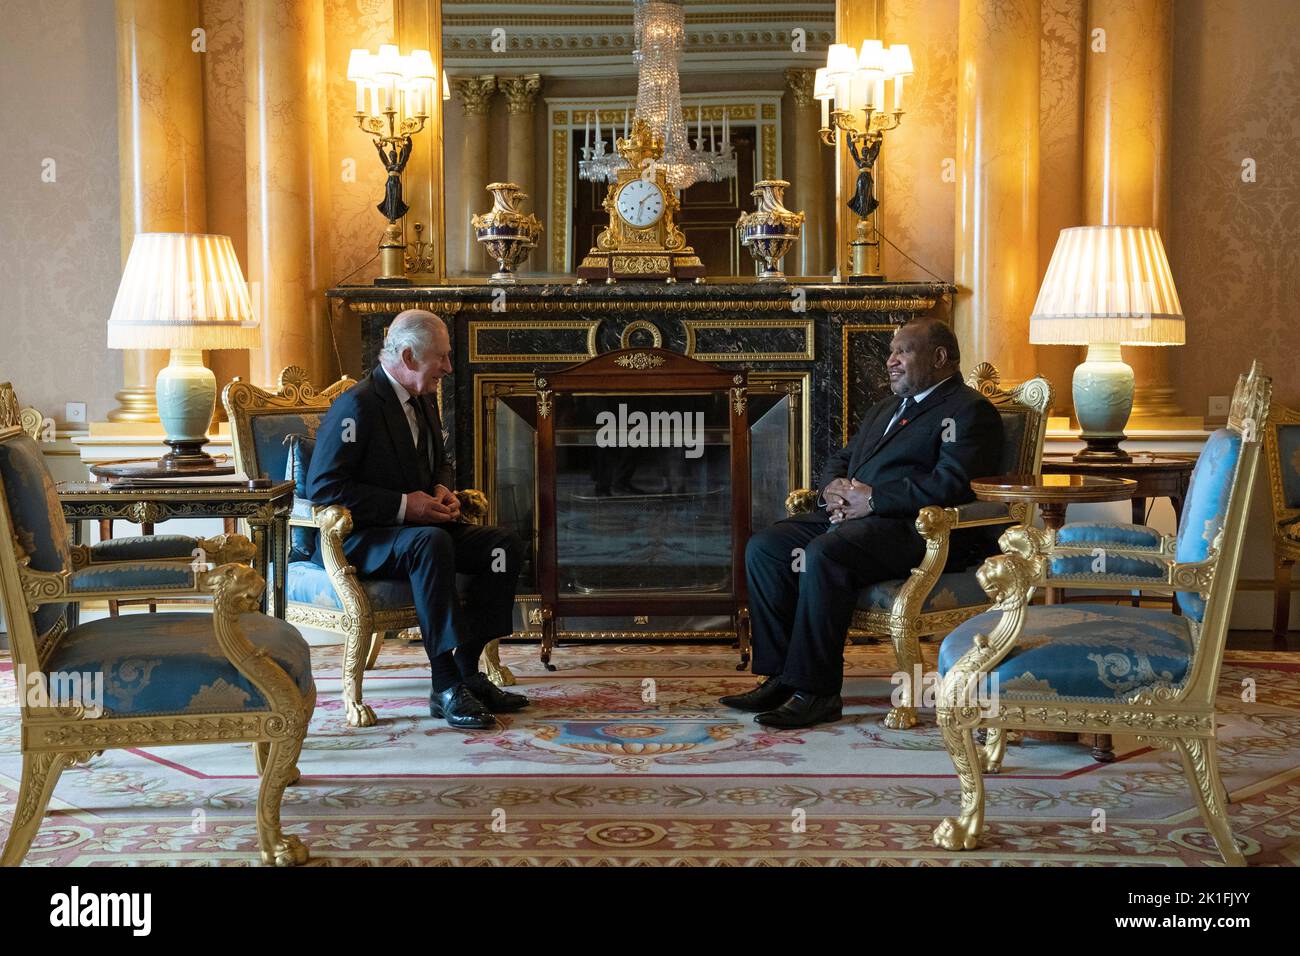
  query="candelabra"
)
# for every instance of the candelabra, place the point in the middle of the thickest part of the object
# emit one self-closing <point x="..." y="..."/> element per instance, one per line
<point x="856" y="83"/>
<point x="399" y="89"/>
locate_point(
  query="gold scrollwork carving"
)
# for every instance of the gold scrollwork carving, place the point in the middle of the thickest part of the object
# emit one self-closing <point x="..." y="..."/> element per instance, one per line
<point x="738" y="401"/>
<point x="639" y="361"/>
<point x="544" y="404"/>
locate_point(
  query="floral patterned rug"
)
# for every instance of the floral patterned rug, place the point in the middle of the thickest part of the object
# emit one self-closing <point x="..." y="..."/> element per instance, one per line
<point x="626" y="758"/>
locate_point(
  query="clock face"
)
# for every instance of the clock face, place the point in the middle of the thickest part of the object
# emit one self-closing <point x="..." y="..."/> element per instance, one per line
<point x="640" y="203"/>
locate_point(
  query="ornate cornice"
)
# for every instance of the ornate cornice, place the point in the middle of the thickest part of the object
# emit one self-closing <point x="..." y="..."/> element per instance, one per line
<point x="475" y="93"/>
<point x="521" y="91"/>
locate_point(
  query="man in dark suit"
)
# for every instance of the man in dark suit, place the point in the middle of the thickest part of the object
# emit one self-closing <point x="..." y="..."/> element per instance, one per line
<point x="921" y="447"/>
<point x="379" y="452"/>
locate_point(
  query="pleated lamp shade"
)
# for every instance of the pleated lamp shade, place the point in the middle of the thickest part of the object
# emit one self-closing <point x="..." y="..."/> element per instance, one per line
<point x="1108" y="284"/>
<point x="182" y="291"/>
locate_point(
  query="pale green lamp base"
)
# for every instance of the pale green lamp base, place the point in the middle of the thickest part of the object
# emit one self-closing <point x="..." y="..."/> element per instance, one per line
<point x="1103" y="401"/>
<point x="186" y="391"/>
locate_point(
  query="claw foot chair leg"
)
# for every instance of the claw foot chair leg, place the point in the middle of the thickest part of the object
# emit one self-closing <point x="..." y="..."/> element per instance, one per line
<point x="963" y="832"/>
<point x="41" y="772"/>
<point x="907" y="650"/>
<point x="1201" y="764"/>
<point x="359" y="713"/>
<point x="281" y="766"/>
<point x="497" y="672"/>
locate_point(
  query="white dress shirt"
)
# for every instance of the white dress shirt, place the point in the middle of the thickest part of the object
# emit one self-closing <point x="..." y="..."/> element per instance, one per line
<point x="403" y="398"/>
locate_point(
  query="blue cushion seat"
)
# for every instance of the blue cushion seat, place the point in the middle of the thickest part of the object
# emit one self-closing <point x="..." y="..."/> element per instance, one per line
<point x="171" y="663"/>
<point x="309" y="583"/>
<point x="1083" y="651"/>
<point x="1103" y="534"/>
<point x="953" y="590"/>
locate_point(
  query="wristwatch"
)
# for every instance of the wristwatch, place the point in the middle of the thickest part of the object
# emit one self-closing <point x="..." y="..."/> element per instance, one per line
<point x="871" y="502"/>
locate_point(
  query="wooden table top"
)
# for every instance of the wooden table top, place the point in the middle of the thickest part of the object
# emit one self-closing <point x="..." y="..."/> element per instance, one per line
<point x="1053" y="489"/>
<point x="1141" y="464"/>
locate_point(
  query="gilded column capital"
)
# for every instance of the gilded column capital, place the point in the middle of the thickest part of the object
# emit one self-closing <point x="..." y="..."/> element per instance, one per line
<point x="521" y="91"/>
<point x="801" y="85"/>
<point x="475" y="93"/>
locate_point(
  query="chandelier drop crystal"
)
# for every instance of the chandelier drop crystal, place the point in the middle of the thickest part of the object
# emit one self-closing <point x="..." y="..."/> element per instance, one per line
<point x="660" y="27"/>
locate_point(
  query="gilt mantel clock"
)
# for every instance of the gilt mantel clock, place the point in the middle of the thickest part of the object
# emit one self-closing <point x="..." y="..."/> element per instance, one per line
<point x="642" y="240"/>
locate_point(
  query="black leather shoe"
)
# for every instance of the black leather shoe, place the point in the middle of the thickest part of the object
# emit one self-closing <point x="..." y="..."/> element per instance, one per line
<point x="766" y="696"/>
<point x="460" y="708"/>
<point x="804" y="710"/>
<point x="493" y="697"/>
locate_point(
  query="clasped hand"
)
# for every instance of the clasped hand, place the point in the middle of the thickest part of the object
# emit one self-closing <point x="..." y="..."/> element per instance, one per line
<point x="438" y="508"/>
<point x="847" y="498"/>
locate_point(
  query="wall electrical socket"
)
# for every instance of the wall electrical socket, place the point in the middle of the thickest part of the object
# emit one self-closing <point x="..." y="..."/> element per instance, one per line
<point x="1219" y="406"/>
<point x="74" y="413"/>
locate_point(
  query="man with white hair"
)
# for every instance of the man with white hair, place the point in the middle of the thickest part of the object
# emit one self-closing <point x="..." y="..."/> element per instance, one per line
<point x="379" y="452"/>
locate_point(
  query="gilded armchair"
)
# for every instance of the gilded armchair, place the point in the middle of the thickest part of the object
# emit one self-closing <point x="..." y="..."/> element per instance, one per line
<point x="1093" y="668"/>
<point x="932" y="600"/>
<point x="274" y="435"/>
<point x="231" y="675"/>
<point x="1282" y="450"/>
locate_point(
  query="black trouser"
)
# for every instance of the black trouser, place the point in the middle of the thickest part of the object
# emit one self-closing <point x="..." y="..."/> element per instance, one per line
<point x="431" y="556"/>
<point x="800" y="618"/>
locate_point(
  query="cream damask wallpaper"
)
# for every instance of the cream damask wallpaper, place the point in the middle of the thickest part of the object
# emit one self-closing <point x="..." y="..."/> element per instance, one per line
<point x="59" y="247"/>
<point x="1232" y="236"/>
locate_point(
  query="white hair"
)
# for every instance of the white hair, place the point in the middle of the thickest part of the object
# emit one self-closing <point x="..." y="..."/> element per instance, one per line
<point x="413" y="329"/>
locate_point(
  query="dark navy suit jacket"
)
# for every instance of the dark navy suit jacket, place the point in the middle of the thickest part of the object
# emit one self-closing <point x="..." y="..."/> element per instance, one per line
<point x="951" y="437"/>
<point x="370" y="473"/>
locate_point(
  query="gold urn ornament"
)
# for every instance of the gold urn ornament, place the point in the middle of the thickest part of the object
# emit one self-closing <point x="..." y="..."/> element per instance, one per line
<point x="507" y="234"/>
<point x="771" y="229"/>
<point x="642" y="240"/>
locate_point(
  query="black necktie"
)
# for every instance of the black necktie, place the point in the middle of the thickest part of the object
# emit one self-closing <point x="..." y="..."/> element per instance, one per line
<point x="903" y="412"/>
<point x="425" y="472"/>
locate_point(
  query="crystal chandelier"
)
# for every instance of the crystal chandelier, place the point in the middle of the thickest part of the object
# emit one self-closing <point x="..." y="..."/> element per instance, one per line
<point x="660" y="27"/>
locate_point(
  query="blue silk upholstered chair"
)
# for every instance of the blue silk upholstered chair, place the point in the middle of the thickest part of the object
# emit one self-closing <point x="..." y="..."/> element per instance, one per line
<point x="274" y="435"/>
<point x="931" y="600"/>
<point x="226" y="676"/>
<point x="1097" y="668"/>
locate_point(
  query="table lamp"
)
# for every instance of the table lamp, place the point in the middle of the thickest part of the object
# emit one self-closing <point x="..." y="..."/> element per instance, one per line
<point x="1106" y="286"/>
<point x="183" y="292"/>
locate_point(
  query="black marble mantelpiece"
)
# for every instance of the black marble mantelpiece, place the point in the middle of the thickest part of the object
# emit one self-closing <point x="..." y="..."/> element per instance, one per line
<point x="839" y="334"/>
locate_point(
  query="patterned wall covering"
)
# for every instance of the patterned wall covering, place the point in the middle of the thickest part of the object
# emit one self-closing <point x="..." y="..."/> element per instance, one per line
<point x="1233" y="244"/>
<point x="59" y="248"/>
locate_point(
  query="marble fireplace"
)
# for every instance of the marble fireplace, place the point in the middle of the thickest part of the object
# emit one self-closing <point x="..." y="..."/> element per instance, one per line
<point x="814" y="354"/>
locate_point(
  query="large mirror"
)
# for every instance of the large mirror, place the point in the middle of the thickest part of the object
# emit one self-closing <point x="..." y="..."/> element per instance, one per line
<point x="530" y="81"/>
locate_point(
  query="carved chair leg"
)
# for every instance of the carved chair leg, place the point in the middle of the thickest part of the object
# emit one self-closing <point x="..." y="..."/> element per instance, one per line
<point x="962" y="832"/>
<point x="261" y="751"/>
<point x="1201" y="764"/>
<point x="907" y="649"/>
<point x="743" y="641"/>
<point x="356" y="648"/>
<point x="1281" y="596"/>
<point x="40" y="773"/>
<point x="497" y="672"/>
<point x="548" y="637"/>
<point x="994" y="750"/>
<point x="280" y="769"/>
<point x="376" y="642"/>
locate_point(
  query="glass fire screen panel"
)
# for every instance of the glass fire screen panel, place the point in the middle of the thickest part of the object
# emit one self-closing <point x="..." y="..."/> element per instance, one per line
<point x="643" y="493"/>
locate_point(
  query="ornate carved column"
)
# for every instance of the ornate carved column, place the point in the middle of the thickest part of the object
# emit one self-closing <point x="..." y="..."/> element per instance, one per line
<point x="521" y="141"/>
<point x="475" y="95"/>
<point x="996" y="241"/>
<point x="808" y="180"/>
<point x="288" y="256"/>
<point x="1128" y="90"/>
<point x="160" y="152"/>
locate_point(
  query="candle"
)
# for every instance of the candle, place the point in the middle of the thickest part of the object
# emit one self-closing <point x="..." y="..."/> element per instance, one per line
<point x="898" y="94"/>
<point x="586" y="137"/>
<point x="726" y="131"/>
<point x="826" y="114"/>
<point x="600" y="143"/>
<point x="712" y="148"/>
<point x="361" y="96"/>
<point x="699" y="126"/>
<point x="625" y="122"/>
<point x="880" y="92"/>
